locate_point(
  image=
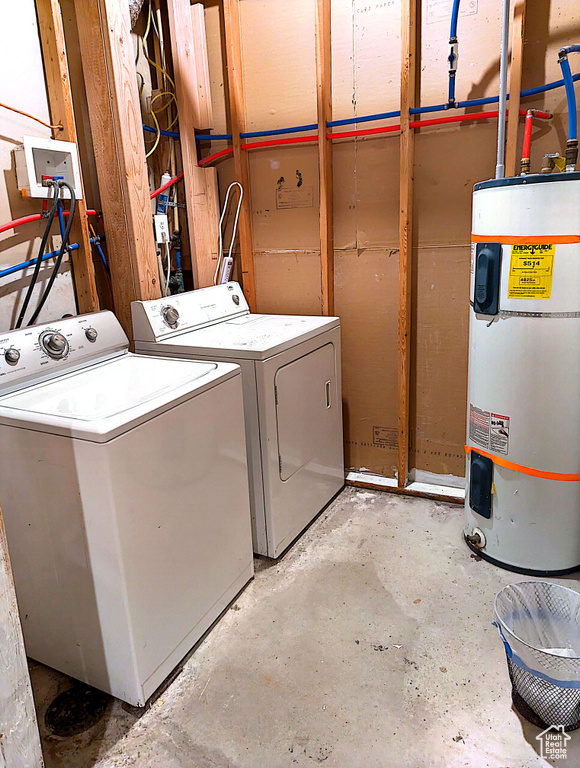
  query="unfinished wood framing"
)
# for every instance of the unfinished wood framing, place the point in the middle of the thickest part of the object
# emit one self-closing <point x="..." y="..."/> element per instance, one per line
<point x="187" y="26"/>
<point x="324" y="111"/>
<point x="233" y="42"/>
<point x="406" y="491"/>
<point x="407" y="159"/>
<point x="19" y="737"/>
<point x="58" y="86"/>
<point x="109" y="70"/>
<point x="199" y="39"/>
<point x="515" y="86"/>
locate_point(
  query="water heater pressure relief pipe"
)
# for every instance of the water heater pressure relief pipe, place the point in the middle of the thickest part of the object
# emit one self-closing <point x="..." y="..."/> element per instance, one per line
<point x="572" y="143"/>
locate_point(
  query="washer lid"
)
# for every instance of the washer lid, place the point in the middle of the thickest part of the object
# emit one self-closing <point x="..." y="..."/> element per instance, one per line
<point x="255" y="337"/>
<point x="101" y="402"/>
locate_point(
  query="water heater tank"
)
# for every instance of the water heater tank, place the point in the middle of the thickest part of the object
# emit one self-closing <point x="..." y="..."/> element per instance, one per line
<point x="522" y="504"/>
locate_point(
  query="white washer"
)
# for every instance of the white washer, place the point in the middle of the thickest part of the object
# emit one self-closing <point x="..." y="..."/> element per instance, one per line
<point x="292" y="397"/>
<point x="125" y="543"/>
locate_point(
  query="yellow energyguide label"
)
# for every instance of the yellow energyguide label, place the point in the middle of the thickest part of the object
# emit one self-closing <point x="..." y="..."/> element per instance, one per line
<point x="531" y="268"/>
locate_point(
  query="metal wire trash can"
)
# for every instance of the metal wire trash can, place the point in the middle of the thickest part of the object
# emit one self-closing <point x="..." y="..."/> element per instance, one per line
<point x="539" y="624"/>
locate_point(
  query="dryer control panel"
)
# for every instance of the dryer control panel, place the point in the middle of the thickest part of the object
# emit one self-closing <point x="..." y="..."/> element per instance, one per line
<point x="40" y="352"/>
<point x="160" y="318"/>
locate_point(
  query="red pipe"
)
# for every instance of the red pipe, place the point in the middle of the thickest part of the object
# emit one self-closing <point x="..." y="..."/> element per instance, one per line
<point x="364" y="132"/>
<point x="18" y="222"/>
<point x="525" y="163"/>
<point x="279" y="142"/>
<point x="35" y="217"/>
<point x="369" y="131"/>
<point x="165" y="186"/>
<point x="211" y="158"/>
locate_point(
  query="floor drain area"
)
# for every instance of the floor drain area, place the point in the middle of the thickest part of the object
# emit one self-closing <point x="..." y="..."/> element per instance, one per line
<point x="76" y="710"/>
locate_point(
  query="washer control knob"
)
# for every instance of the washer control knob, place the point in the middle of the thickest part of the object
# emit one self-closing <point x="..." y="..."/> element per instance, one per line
<point x="12" y="356"/>
<point x="54" y="344"/>
<point x="236" y="299"/>
<point x="170" y="316"/>
<point x="91" y="334"/>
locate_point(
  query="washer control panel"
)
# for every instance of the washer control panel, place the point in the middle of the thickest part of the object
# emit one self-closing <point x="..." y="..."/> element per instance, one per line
<point x="34" y="354"/>
<point x="159" y="318"/>
<point x="54" y="344"/>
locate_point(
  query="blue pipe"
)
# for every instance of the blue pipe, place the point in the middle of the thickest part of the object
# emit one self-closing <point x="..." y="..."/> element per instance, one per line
<point x="384" y="115"/>
<point x="454" y="17"/>
<point x="171" y="134"/>
<point x="569" y="86"/>
<point x="363" y="119"/>
<point x="210" y="136"/>
<point x="101" y="254"/>
<point x="278" y="131"/>
<point x="32" y="262"/>
<point x="434" y="108"/>
<point x="452" y="58"/>
<point x="52" y="255"/>
<point x="60" y="219"/>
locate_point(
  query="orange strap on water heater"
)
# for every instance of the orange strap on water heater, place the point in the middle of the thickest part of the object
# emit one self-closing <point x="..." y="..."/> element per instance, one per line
<point x="562" y="476"/>
<point x="526" y="239"/>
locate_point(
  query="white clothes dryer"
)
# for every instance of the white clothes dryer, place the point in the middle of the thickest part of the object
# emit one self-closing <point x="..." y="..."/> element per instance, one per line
<point x="292" y="397"/>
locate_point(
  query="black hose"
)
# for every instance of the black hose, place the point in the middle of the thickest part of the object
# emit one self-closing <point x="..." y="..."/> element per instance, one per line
<point x="38" y="263"/>
<point x="63" y="246"/>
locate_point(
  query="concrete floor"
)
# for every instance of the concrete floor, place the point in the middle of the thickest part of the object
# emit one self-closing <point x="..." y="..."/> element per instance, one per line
<point x="368" y="645"/>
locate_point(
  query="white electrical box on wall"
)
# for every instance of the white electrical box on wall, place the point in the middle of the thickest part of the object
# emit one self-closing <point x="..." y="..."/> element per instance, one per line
<point x="40" y="158"/>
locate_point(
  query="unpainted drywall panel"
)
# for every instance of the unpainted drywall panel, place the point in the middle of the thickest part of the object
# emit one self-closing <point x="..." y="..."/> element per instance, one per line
<point x="24" y="89"/>
<point x="439" y="358"/>
<point x="288" y="282"/>
<point x="366" y="290"/>
<point x="285" y="198"/>
<point x="449" y="160"/>
<point x="278" y="40"/>
<point x="278" y="63"/>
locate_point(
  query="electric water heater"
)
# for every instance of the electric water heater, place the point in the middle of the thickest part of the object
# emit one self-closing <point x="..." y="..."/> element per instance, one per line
<point x="523" y="422"/>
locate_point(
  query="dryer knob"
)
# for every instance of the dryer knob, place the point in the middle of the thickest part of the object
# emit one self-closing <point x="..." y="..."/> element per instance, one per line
<point x="170" y="315"/>
<point x="55" y="344"/>
<point x="12" y="356"/>
<point x="91" y="334"/>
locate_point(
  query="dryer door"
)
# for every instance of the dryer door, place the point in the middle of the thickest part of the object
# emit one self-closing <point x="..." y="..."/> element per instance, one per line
<point x="300" y="423"/>
<point x="306" y="396"/>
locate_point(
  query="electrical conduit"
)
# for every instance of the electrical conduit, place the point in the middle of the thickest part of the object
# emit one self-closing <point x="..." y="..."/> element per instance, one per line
<point x="503" y="74"/>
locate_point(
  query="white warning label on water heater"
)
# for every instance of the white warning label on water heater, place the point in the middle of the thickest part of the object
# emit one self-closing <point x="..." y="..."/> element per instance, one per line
<point x="499" y="437"/>
<point x="489" y="430"/>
